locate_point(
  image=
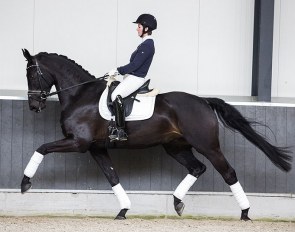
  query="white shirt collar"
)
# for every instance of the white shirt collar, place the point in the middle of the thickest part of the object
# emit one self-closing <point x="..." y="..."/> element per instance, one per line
<point x="147" y="37"/>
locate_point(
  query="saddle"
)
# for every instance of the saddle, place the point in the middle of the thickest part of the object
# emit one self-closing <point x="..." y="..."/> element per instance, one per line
<point x="129" y="100"/>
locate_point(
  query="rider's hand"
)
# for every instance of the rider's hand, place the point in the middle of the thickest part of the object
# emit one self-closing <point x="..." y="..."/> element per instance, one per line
<point x="113" y="73"/>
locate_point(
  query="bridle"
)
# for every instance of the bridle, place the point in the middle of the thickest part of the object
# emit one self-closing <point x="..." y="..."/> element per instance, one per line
<point x="41" y="95"/>
<point x="38" y="95"/>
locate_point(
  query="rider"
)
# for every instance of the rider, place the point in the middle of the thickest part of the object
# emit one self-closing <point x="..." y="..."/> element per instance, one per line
<point x="134" y="72"/>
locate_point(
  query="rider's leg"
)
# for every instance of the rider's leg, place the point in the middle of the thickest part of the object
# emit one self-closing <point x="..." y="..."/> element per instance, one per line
<point x="119" y="132"/>
<point x="129" y="84"/>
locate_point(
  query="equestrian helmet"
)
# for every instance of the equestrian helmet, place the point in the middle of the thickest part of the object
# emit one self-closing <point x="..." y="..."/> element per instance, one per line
<point x="147" y="20"/>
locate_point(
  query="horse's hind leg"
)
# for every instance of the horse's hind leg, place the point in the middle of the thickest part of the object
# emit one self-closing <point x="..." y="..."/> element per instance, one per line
<point x="183" y="154"/>
<point x="219" y="162"/>
<point x="204" y="137"/>
<point x="104" y="161"/>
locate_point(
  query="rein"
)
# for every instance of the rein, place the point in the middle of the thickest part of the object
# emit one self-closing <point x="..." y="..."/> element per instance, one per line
<point x="74" y="86"/>
<point x="44" y="94"/>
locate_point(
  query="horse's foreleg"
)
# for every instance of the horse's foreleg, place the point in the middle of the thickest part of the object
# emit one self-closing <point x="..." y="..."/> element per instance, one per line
<point x="104" y="161"/>
<point x="184" y="156"/>
<point x="64" y="145"/>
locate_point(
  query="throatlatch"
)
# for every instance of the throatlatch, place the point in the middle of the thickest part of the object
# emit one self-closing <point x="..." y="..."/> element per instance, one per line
<point x="117" y="131"/>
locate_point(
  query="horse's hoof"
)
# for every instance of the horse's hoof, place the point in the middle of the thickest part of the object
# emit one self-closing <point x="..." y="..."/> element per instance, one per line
<point x="179" y="208"/>
<point x="25" y="185"/>
<point x="246" y="219"/>
<point x="244" y="215"/>
<point x="121" y="214"/>
<point x="120" y="217"/>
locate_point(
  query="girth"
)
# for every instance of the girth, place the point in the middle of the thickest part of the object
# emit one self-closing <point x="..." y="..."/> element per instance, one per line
<point x="129" y="100"/>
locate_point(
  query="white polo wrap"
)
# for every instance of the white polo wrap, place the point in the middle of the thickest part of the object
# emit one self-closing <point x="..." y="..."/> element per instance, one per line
<point x="240" y="195"/>
<point x="184" y="186"/>
<point x="33" y="164"/>
<point x="122" y="196"/>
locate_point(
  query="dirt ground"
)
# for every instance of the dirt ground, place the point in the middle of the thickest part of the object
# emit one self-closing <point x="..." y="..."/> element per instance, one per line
<point x="90" y="224"/>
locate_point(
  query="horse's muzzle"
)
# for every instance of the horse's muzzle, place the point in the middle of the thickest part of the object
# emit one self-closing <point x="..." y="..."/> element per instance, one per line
<point x="36" y="106"/>
<point x="37" y="102"/>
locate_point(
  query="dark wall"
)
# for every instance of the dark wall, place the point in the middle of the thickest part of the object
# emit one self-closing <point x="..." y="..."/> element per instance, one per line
<point x="23" y="131"/>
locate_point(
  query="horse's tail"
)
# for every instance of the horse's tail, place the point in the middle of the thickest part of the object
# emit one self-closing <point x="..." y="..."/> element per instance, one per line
<point x="233" y="119"/>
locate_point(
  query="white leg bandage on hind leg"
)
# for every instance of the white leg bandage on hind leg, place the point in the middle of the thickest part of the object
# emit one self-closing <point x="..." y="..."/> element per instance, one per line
<point x="33" y="164"/>
<point x="184" y="186"/>
<point x="122" y="196"/>
<point x="240" y="195"/>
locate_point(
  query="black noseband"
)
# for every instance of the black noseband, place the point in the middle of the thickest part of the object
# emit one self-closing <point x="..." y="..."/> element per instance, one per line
<point x="38" y="95"/>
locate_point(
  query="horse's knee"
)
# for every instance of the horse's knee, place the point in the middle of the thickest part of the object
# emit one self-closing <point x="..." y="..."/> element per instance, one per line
<point x="230" y="176"/>
<point x="81" y="145"/>
<point x="76" y="145"/>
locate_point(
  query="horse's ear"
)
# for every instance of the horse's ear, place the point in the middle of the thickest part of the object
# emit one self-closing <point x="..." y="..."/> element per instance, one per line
<point x="27" y="55"/>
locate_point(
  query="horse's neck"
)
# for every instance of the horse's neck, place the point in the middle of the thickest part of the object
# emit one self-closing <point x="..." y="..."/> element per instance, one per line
<point x="67" y="80"/>
<point x="66" y="74"/>
<point x="70" y="77"/>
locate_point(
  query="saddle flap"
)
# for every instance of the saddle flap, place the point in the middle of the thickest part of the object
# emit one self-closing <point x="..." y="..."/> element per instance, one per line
<point x="127" y="101"/>
<point x="142" y="109"/>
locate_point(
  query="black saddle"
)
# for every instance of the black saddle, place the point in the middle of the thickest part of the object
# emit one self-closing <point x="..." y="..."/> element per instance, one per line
<point x="129" y="100"/>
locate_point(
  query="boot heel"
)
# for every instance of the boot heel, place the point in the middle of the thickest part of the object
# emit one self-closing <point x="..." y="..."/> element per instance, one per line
<point x="122" y="136"/>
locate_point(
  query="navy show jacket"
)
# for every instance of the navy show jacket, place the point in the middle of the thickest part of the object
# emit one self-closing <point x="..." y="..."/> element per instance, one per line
<point x="140" y="60"/>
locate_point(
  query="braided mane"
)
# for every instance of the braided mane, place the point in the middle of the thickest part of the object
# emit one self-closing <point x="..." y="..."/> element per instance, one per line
<point x="66" y="58"/>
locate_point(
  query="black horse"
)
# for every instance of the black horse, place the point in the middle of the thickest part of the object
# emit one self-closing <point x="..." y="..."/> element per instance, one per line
<point x="180" y="122"/>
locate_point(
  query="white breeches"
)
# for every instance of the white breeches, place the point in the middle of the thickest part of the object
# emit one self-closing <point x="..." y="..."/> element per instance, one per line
<point x="127" y="86"/>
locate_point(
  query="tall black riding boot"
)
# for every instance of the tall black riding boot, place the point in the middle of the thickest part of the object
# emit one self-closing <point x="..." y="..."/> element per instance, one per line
<point x="118" y="132"/>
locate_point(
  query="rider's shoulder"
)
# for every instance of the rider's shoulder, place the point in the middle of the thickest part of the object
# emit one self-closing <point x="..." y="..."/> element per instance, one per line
<point x="149" y="43"/>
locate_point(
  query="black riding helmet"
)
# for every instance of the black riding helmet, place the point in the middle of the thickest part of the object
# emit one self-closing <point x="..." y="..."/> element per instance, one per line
<point x="147" y="20"/>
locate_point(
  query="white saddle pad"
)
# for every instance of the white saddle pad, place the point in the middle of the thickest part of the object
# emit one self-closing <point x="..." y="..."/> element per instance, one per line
<point x="141" y="110"/>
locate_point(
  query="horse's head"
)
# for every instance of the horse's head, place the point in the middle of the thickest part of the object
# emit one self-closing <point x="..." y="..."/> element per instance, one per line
<point x="38" y="85"/>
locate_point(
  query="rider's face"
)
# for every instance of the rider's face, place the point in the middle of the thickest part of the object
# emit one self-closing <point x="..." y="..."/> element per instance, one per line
<point x="139" y="29"/>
